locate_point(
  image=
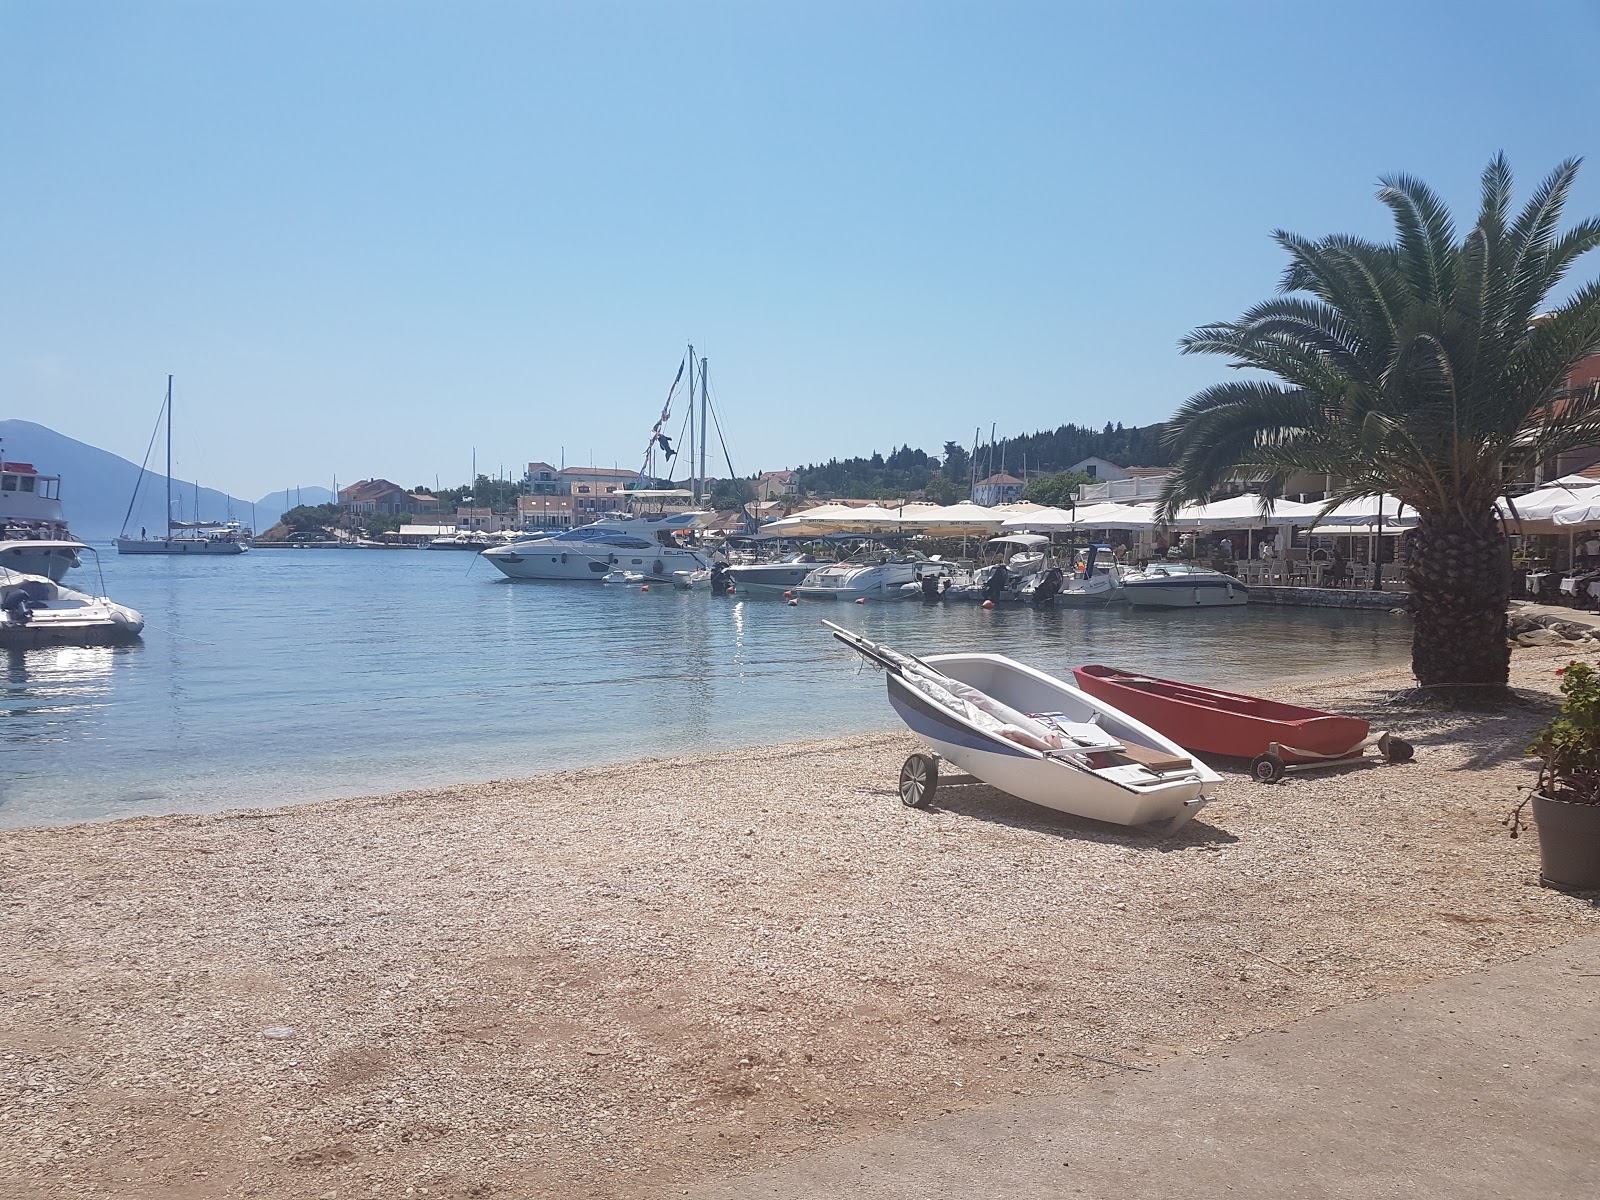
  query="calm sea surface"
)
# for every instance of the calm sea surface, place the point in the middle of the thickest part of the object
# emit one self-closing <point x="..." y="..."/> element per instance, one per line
<point x="285" y="676"/>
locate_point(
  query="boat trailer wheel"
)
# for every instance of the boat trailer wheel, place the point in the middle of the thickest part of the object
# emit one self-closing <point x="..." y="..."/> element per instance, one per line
<point x="918" y="777"/>
<point x="1267" y="768"/>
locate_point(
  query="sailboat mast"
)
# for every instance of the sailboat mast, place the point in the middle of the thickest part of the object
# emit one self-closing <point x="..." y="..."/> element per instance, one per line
<point x="169" y="456"/>
<point x="694" y="478"/>
<point x="704" y="423"/>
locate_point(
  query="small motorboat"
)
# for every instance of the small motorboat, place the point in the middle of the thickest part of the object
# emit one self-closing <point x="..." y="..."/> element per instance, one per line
<point x="1034" y="737"/>
<point x="1277" y="737"/>
<point x="37" y="611"/>
<point x="1181" y="585"/>
<point x="625" y="577"/>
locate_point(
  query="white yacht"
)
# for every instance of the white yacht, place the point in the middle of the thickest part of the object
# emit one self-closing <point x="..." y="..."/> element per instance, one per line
<point x="773" y="578"/>
<point x="184" y="537"/>
<point x="1180" y="585"/>
<point x="33" y="530"/>
<point x="646" y="544"/>
<point x="883" y="578"/>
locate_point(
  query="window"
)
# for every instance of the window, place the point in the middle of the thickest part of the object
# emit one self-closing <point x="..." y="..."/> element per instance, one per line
<point x="27" y="483"/>
<point x="8" y="483"/>
<point x="1091" y="470"/>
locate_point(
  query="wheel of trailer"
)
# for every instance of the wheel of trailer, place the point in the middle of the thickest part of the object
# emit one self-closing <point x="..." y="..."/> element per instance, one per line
<point x="918" y="778"/>
<point x="1267" y="768"/>
<point x="1396" y="750"/>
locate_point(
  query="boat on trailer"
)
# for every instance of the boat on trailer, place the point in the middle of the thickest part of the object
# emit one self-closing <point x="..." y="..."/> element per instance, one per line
<point x="1276" y="737"/>
<point x="1034" y="737"/>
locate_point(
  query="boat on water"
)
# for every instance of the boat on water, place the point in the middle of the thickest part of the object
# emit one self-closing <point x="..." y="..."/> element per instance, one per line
<point x="475" y="542"/>
<point x="1233" y="725"/>
<point x="880" y="575"/>
<point x="191" y="538"/>
<point x="33" y="529"/>
<point x="1181" y="585"/>
<point x="38" y="611"/>
<point x="776" y="577"/>
<point x="1035" y="737"/>
<point x="648" y="544"/>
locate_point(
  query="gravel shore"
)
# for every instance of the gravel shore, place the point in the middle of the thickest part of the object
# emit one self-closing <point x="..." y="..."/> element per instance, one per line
<point x="623" y="981"/>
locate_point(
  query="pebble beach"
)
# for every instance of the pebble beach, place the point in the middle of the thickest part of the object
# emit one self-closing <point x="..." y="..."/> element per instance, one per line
<point x="631" y="981"/>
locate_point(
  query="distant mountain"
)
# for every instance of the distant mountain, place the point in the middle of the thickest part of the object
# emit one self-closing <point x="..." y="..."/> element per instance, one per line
<point x="96" y="486"/>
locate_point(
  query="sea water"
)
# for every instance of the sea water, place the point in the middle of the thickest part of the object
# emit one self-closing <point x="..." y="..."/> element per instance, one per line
<point x="282" y="676"/>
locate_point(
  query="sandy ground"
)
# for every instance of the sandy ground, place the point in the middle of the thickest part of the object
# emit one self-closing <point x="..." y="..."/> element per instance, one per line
<point x="624" y="981"/>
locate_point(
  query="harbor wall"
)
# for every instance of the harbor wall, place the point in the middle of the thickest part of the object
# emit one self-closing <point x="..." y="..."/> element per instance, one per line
<point x="1309" y="597"/>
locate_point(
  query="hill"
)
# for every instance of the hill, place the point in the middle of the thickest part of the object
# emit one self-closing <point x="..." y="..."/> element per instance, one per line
<point x="96" y="486"/>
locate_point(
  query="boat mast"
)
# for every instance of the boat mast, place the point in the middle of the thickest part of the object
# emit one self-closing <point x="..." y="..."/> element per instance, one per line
<point x="704" y="423"/>
<point x="169" y="456"/>
<point x="694" y="478"/>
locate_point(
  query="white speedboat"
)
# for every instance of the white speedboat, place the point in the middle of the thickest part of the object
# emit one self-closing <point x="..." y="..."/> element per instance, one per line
<point x="33" y="530"/>
<point x="463" y="541"/>
<point x="38" y="611"/>
<point x="885" y="579"/>
<point x="1034" y="737"/>
<point x="190" y="538"/>
<point x="773" y="578"/>
<point x="1180" y="585"/>
<point x="1092" y="580"/>
<point x="647" y="544"/>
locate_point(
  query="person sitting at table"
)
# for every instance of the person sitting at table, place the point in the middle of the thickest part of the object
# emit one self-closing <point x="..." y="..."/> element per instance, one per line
<point x="1338" y="570"/>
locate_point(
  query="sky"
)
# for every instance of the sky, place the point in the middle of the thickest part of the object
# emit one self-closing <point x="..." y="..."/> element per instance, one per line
<point x="373" y="238"/>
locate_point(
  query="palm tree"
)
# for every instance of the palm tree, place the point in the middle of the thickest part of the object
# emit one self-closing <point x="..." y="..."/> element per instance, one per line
<point x="1430" y="368"/>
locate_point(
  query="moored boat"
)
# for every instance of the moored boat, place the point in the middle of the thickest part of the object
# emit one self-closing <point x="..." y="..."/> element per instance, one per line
<point x="38" y="611"/>
<point x="1180" y="585"/>
<point x="1226" y="723"/>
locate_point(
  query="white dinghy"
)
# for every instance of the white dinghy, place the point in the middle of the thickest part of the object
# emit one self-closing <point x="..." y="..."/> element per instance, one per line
<point x="37" y="611"/>
<point x="1035" y="738"/>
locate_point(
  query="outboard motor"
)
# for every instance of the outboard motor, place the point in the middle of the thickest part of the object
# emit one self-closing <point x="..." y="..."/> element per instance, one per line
<point x="719" y="579"/>
<point x="994" y="587"/>
<point x="18" y="606"/>
<point x="930" y="586"/>
<point x="1048" y="587"/>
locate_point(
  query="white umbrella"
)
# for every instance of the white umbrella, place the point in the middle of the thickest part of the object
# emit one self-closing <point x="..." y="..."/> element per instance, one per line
<point x="1242" y="512"/>
<point x="1543" y="504"/>
<point x="1585" y="511"/>
<point x="1367" y="511"/>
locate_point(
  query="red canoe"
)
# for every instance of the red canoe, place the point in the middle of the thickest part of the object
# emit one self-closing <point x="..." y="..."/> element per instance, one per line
<point x="1214" y="722"/>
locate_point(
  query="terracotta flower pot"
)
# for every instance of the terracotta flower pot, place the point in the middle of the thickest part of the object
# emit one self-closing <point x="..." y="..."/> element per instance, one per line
<point x="1569" y="844"/>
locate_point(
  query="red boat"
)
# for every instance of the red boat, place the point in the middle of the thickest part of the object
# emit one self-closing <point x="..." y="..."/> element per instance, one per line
<point x="1214" y="722"/>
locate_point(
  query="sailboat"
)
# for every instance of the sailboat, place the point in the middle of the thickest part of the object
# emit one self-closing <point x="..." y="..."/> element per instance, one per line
<point x="182" y="537"/>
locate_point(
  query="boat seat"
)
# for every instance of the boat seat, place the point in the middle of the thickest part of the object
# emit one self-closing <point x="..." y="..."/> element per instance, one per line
<point x="1084" y="735"/>
<point x="1158" y="761"/>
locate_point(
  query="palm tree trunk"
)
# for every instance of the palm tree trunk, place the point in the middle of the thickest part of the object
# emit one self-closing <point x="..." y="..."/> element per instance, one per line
<point x="1460" y="576"/>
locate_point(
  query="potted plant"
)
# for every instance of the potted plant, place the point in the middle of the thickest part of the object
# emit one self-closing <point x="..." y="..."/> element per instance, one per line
<point x="1566" y="798"/>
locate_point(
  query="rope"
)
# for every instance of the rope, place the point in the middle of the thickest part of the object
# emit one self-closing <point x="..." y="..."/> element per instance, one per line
<point x="133" y="499"/>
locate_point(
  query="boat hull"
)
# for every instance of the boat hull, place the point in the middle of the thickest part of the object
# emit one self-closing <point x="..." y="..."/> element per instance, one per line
<point x="1178" y="592"/>
<point x="1050" y="782"/>
<point x="770" y="579"/>
<point x="1224" y="723"/>
<point x="573" y="562"/>
<point x="885" y="581"/>
<point x="52" y="561"/>
<point x="184" y="547"/>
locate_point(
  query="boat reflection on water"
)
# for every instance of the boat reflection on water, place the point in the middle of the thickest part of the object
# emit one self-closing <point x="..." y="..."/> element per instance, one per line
<point x="51" y="683"/>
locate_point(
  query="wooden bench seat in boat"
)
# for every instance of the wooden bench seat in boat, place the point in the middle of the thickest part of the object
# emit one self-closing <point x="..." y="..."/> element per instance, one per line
<point x="1090" y="738"/>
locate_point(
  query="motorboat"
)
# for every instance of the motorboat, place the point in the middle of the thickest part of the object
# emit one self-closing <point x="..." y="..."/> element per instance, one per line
<point x="773" y="578"/>
<point x="463" y="541"/>
<point x="38" y="611"/>
<point x="191" y="538"/>
<point x="1092" y="579"/>
<point x="884" y="578"/>
<point x="646" y="543"/>
<point x="1034" y="737"/>
<point x="1272" y="734"/>
<point x="1181" y="585"/>
<point x="33" y="530"/>
<point x="627" y="577"/>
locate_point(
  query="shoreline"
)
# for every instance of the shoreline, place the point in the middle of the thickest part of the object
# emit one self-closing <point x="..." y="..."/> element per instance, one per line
<point x="619" y="980"/>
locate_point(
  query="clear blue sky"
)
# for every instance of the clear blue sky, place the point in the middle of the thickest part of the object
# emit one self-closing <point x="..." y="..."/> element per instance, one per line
<point x="367" y="237"/>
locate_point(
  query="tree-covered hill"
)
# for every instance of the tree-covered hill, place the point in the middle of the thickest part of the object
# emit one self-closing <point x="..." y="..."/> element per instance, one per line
<point x="905" y="471"/>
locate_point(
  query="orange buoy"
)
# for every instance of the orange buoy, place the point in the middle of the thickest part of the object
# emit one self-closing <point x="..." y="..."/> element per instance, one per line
<point x="645" y="588"/>
<point x="988" y="603"/>
<point x="861" y="599"/>
<point x="788" y="595"/>
<point x="730" y="589"/>
<point x="792" y="603"/>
